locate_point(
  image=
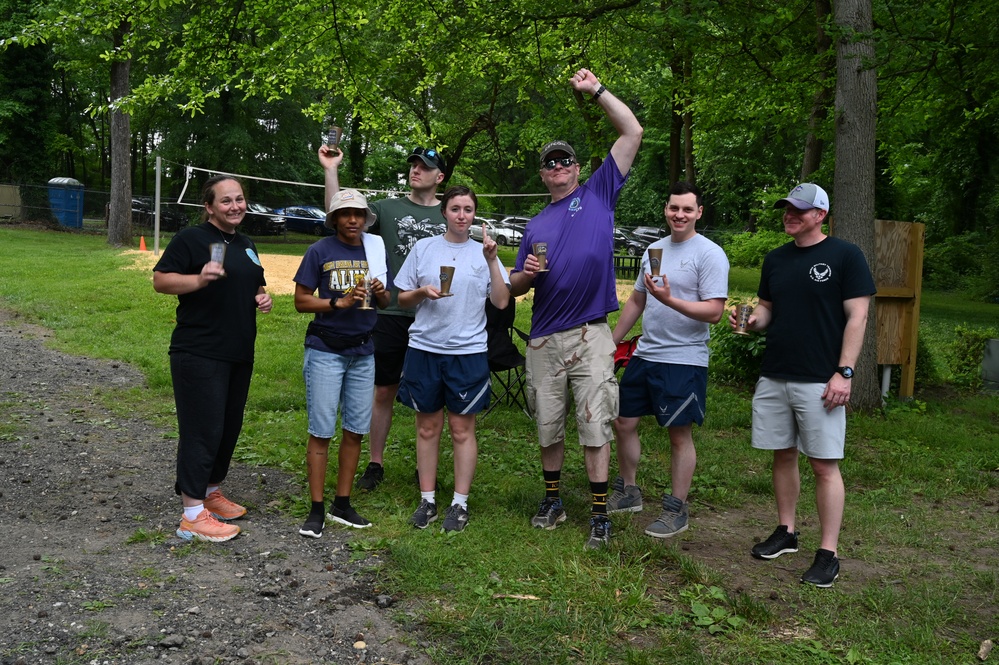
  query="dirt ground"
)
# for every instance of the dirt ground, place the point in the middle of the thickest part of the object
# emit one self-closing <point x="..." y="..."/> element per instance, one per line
<point x="79" y="489"/>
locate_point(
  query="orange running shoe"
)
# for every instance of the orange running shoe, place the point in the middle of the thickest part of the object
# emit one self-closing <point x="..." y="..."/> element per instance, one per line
<point x="206" y="527"/>
<point x="222" y="508"/>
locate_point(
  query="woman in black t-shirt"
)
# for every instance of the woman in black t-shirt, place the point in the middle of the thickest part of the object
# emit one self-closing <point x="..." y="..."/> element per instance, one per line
<point x="219" y="283"/>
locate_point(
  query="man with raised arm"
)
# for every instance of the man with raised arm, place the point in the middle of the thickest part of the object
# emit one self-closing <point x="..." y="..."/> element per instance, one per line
<point x="571" y="345"/>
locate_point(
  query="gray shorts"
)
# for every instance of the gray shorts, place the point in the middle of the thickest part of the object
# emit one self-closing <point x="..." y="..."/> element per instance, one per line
<point x="788" y="414"/>
<point x="580" y="358"/>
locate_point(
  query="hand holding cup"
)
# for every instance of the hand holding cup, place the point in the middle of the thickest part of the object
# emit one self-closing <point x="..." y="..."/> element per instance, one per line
<point x="742" y="313"/>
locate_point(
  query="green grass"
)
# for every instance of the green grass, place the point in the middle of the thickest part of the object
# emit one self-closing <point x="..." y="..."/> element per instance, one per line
<point x="919" y="539"/>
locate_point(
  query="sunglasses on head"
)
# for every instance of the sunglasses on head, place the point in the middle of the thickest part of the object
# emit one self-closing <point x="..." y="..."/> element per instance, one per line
<point x="566" y="162"/>
<point x="427" y="152"/>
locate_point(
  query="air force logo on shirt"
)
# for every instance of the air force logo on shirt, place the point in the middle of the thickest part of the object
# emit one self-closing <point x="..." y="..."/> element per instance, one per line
<point x="820" y="272"/>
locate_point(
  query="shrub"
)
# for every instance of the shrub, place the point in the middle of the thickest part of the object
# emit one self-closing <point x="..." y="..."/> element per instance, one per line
<point x="949" y="264"/>
<point x="966" y="353"/>
<point x="747" y="250"/>
<point x="735" y="359"/>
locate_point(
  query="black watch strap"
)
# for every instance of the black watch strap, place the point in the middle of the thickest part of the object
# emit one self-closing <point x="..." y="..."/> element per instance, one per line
<point x="847" y="372"/>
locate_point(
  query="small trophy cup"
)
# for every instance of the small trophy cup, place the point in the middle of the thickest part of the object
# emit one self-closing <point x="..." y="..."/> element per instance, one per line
<point x="217" y="250"/>
<point x="447" y="276"/>
<point x="742" y="319"/>
<point x="365" y="281"/>
<point x="333" y="137"/>
<point x="655" y="261"/>
<point x="540" y="250"/>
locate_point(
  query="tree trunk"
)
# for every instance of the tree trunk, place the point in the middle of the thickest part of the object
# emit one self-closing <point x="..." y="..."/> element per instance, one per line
<point x="676" y="122"/>
<point x="853" y="185"/>
<point x="820" y="102"/>
<point x="120" y="217"/>
<point x="690" y="174"/>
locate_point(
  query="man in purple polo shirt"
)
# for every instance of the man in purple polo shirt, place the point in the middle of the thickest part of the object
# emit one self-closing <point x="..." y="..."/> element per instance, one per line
<point x="571" y="344"/>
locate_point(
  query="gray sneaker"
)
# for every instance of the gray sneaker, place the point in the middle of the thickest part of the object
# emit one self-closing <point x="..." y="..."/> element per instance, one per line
<point x="600" y="532"/>
<point x="424" y="515"/>
<point x="673" y="519"/>
<point x="624" y="499"/>
<point x="455" y="518"/>
<point x="550" y="514"/>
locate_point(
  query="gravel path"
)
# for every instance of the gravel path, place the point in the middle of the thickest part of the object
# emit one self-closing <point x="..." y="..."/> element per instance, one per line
<point x="86" y="575"/>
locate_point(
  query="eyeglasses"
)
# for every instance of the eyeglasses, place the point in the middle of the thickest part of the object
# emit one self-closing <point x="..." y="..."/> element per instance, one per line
<point x="566" y="162"/>
<point x="431" y="153"/>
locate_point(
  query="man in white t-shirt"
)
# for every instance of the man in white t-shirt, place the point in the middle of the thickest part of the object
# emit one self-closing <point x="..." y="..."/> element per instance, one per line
<point x="667" y="375"/>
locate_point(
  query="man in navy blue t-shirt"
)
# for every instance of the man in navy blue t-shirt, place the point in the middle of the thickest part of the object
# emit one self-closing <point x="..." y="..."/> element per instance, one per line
<point x="814" y="296"/>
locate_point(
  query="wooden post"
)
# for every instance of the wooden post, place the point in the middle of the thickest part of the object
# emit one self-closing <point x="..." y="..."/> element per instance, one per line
<point x="899" y="280"/>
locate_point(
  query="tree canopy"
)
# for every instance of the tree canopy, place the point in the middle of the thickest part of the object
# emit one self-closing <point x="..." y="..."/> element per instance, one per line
<point x="730" y="93"/>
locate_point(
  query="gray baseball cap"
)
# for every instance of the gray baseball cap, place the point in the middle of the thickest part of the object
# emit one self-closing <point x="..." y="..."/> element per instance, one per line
<point x="805" y="196"/>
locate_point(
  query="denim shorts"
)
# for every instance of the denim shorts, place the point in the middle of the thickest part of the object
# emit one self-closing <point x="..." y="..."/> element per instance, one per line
<point x="332" y="380"/>
<point x="788" y="414"/>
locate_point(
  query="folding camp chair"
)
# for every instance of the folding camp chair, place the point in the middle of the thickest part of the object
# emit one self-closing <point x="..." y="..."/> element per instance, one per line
<point x="506" y="362"/>
<point x="625" y="349"/>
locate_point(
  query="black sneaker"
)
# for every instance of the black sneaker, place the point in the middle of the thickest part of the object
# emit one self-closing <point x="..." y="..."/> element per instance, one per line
<point x="550" y="514"/>
<point x="424" y="515"/>
<point x="824" y="570"/>
<point x="348" y="517"/>
<point x="600" y="532"/>
<point x="779" y="542"/>
<point x="455" y="518"/>
<point x="313" y="527"/>
<point x="372" y="477"/>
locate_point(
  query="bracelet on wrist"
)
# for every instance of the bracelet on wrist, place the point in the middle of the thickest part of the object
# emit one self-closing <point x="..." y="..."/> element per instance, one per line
<point x="599" y="92"/>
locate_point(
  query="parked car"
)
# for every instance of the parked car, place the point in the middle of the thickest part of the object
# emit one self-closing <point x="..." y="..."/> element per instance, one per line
<point x="628" y="244"/>
<point x="262" y="221"/>
<point x="144" y="214"/>
<point x="305" y="219"/>
<point x="649" y="233"/>
<point x="515" y="223"/>
<point x="502" y="235"/>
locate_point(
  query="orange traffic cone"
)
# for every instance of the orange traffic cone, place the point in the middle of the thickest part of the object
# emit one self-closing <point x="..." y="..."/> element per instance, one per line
<point x="142" y="243"/>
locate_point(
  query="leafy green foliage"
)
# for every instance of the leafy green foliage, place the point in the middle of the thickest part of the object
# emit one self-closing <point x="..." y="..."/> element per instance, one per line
<point x="948" y="264"/>
<point x="710" y="609"/>
<point x="735" y="359"/>
<point x="966" y="353"/>
<point x="748" y="249"/>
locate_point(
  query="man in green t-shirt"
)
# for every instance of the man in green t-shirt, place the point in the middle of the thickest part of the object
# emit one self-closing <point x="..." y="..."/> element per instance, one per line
<point x="400" y="221"/>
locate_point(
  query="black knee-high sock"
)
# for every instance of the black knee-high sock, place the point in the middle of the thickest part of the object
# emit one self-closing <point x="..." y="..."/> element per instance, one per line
<point x="599" y="491"/>
<point x="552" y="480"/>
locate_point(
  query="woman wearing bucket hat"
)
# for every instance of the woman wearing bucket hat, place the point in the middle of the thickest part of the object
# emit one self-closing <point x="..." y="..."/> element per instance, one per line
<point x="337" y="277"/>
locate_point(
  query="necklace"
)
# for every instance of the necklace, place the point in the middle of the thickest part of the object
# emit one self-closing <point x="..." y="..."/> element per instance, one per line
<point x="455" y="248"/>
<point x="222" y="235"/>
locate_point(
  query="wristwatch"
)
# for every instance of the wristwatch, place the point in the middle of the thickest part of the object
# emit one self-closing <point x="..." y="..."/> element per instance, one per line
<point x="847" y="372"/>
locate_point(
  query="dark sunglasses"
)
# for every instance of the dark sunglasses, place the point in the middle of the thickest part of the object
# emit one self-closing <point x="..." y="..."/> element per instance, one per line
<point x="566" y="162"/>
<point x="431" y="153"/>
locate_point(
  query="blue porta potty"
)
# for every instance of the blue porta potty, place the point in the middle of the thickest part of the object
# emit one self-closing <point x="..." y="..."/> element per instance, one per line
<point x="66" y="201"/>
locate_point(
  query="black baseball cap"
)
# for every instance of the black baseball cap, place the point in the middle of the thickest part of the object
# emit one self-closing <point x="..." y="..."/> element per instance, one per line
<point x="430" y="157"/>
